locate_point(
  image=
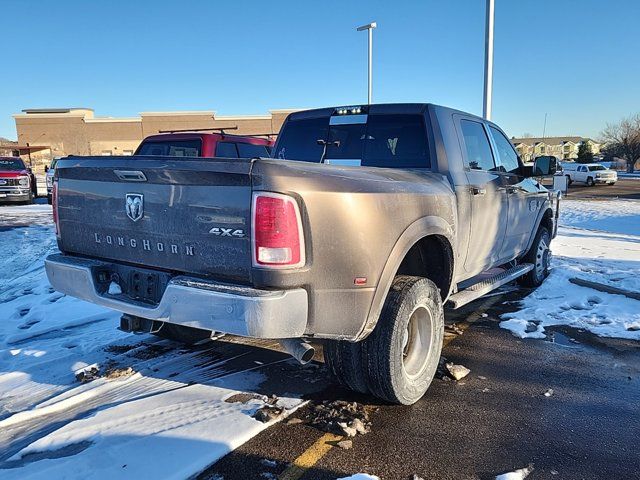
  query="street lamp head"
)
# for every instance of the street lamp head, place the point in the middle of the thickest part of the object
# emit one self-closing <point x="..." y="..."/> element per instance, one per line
<point x="368" y="26"/>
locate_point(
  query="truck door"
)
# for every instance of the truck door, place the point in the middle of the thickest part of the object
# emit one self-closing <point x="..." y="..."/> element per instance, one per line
<point x="487" y="199"/>
<point x="523" y="196"/>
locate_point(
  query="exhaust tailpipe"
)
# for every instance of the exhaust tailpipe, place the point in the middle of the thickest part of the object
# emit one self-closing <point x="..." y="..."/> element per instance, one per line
<point x="298" y="349"/>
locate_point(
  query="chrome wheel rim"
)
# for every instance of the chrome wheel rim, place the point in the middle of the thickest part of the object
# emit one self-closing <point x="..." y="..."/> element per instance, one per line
<point x="417" y="342"/>
<point x="543" y="256"/>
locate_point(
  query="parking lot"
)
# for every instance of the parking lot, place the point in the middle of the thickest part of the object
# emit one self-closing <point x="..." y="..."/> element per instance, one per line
<point x="565" y="404"/>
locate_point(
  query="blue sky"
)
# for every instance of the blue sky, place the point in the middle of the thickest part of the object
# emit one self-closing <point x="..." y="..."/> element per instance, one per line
<point x="577" y="61"/>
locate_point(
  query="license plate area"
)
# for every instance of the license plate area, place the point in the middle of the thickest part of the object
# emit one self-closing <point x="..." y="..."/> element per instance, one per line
<point x="137" y="284"/>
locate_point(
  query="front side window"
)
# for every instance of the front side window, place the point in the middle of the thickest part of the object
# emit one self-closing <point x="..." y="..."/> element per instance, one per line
<point x="478" y="150"/>
<point x="507" y="156"/>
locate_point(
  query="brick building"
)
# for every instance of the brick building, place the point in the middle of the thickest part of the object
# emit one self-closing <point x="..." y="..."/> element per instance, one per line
<point x="56" y="132"/>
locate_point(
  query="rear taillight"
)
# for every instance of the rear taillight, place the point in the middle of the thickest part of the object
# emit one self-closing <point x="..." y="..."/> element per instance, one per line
<point x="54" y="204"/>
<point x="277" y="231"/>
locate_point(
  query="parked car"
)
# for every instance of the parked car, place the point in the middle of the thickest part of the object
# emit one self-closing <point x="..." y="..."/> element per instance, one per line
<point x="200" y="144"/>
<point x="49" y="174"/>
<point x="368" y="221"/>
<point x="590" y="173"/>
<point x="17" y="182"/>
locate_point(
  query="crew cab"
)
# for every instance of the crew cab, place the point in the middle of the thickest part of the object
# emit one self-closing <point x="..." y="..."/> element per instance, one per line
<point x="201" y="144"/>
<point x="17" y="182"/>
<point x="365" y="224"/>
<point x="590" y="174"/>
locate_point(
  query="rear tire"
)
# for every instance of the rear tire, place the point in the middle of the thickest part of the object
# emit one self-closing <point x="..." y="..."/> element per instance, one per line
<point x="539" y="255"/>
<point x="403" y="351"/>
<point x="344" y="361"/>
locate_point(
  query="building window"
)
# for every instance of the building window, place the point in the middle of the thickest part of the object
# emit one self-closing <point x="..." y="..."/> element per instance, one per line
<point x="106" y="153"/>
<point x="127" y="152"/>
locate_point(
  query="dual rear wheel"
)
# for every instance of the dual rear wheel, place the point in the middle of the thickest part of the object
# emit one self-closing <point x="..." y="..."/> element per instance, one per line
<point x="398" y="360"/>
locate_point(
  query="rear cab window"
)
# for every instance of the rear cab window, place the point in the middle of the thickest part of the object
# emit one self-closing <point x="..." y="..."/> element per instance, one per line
<point x="370" y="139"/>
<point x="171" y="148"/>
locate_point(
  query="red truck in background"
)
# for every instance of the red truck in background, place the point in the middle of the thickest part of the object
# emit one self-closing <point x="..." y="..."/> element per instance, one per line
<point x="17" y="181"/>
<point x="196" y="143"/>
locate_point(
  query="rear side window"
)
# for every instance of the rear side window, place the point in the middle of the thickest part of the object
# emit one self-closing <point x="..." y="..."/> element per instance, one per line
<point x="507" y="156"/>
<point x="171" y="148"/>
<point x="226" y="150"/>
<point x="249" y="150"/>
<point x="476" y="143"/>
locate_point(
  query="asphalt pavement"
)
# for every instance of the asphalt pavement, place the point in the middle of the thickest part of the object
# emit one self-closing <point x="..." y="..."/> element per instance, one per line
<point x="495" y="420"/>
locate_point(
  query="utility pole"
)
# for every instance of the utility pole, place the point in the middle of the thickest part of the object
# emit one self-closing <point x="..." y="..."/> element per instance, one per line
<point x="488" y="61"/>
<point x="370" y="28"/>
<point x="544" y="128"/>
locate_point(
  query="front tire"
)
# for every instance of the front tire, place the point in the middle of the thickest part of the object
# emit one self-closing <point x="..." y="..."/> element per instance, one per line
<point x="590" y="182"/>
<point x="403" y="351"/>
<point x="539" y="255"/>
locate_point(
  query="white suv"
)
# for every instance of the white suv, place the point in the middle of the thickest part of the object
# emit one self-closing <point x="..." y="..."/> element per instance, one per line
<point x="590" y="174"/>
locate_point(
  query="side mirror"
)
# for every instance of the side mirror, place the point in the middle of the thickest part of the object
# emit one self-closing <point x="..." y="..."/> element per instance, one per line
<point x="46" y="168"/>
<point x="545" y="166"/>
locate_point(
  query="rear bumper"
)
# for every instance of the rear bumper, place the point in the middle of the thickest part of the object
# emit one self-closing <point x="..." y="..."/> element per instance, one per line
<point x="232" y="309"/>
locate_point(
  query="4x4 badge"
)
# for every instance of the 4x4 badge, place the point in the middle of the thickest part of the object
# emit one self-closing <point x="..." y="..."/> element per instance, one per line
<point x="134" y="206"/>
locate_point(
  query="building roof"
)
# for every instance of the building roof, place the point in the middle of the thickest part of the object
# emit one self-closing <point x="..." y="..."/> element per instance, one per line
<point x="547" y="140"/>
<point x="53" y="110"/>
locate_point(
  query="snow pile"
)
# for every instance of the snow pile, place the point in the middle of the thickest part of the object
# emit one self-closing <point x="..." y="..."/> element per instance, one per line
<point x="519" y="474"/>
<point x="146" y="408"/>
<point x="360" y="476"/>
<point x="608" y="253"/>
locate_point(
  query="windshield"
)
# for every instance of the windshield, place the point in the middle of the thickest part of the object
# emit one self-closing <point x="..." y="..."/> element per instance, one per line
<point x="595" y="168"/>
<point x="171" y="148"/>
<point x="388" y="140"/>
<point x="11" y="164"/>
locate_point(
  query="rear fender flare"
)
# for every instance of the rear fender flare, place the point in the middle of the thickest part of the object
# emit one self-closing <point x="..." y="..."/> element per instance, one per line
<point x="423" y="227"/>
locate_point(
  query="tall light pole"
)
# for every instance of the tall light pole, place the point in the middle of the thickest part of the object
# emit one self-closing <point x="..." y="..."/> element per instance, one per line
<point x="488" y="61"/>
<point x="370" y="28"/>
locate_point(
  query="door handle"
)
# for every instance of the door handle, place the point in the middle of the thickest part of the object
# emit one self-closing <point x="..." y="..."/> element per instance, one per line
<point x="478" y="191"/>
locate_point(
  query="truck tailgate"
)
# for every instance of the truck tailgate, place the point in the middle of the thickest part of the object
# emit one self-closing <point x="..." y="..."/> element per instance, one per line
<point x="186" y="215"/>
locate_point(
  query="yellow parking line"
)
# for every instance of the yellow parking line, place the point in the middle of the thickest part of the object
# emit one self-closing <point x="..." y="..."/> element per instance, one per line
<point x="309" y="457"/>
<point x="320" y="447"/>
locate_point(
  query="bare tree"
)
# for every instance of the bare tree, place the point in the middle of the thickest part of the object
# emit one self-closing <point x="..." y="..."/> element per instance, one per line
<point x="624" y="138"/>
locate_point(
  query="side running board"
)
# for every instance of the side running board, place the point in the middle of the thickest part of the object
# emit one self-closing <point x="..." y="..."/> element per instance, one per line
<point x="486" y="285"/>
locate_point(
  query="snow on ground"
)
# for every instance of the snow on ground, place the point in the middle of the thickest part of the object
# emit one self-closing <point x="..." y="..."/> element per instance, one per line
<point x="155" y="410"/>
<point x="597" y="241"/>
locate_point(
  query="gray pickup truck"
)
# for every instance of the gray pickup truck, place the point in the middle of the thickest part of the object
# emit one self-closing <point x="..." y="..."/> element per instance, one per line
<point x="365" y="224"/>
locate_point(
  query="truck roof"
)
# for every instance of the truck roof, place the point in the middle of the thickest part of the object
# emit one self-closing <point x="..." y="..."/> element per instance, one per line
<point x="216" y="136"/>
<point x="376" y="108"/>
